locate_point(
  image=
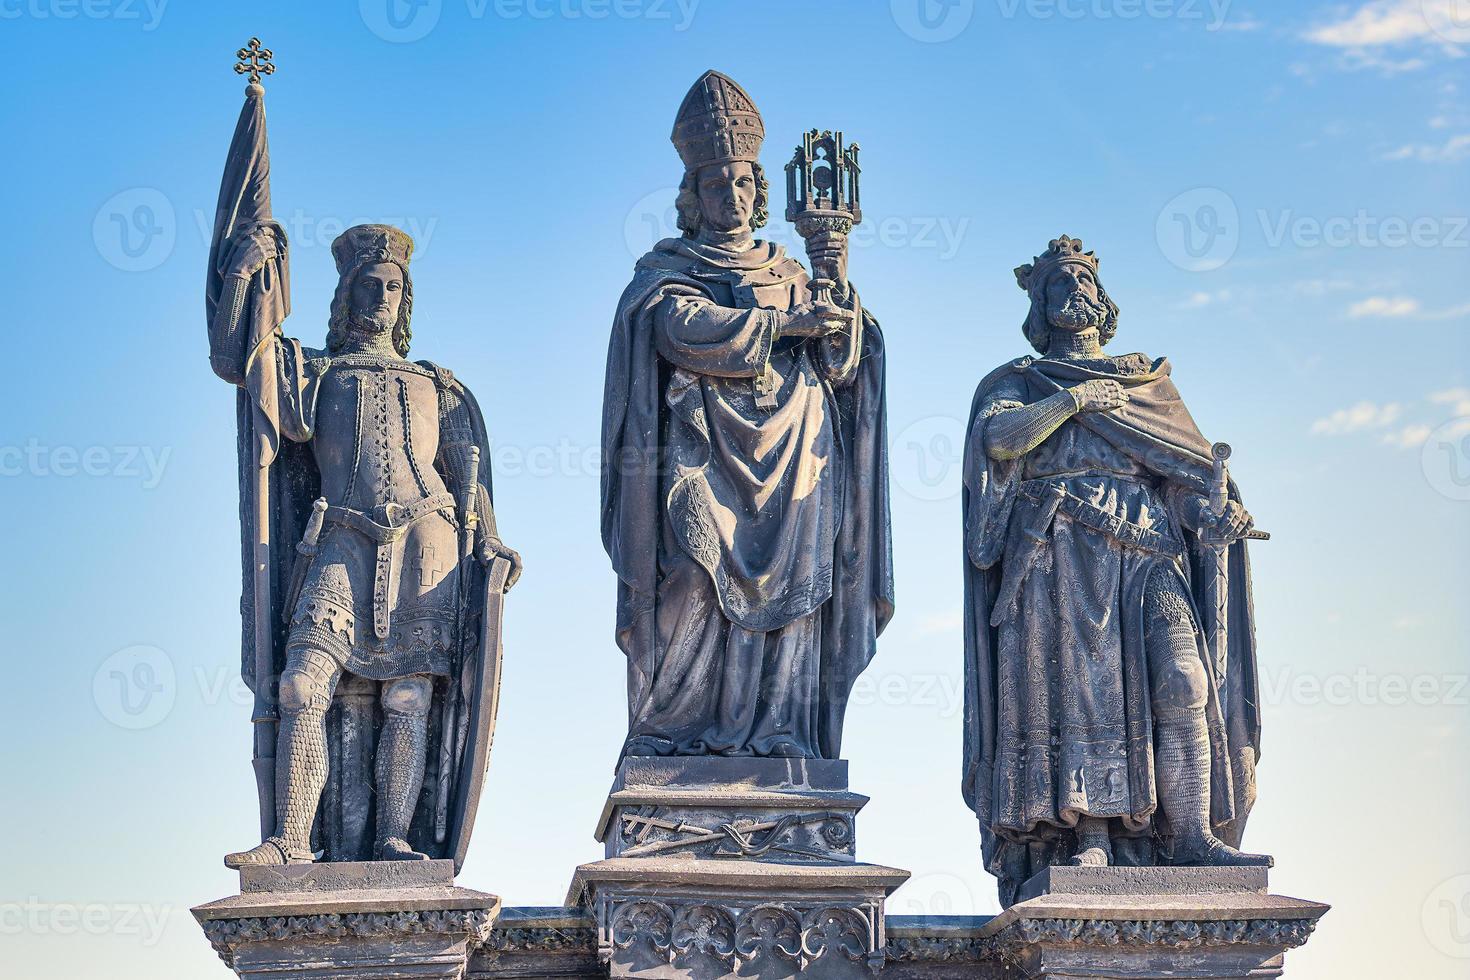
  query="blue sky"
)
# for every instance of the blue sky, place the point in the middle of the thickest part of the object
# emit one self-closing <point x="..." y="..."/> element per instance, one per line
<point x="1279" y="195"/>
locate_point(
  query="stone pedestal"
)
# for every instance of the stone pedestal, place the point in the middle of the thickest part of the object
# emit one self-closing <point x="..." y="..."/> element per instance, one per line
<point x="374" y="919"/>
<point x="734" y="867"/>
<point x="1140" y="923"/>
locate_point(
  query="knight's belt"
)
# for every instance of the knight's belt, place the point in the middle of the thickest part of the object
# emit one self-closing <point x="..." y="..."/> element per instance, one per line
<point x="384" y="526"/>
<point x="1088" y="514"/>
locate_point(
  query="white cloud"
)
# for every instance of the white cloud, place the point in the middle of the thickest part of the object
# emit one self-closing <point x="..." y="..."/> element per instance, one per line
<point x="1409" y="437"/>
<point x="1457" y="398"/>
<point x="1403" y="307"/>
<point x="1248" y="23"/>
<point x="1363" y="415"/>
<point x="1199" y="299"/>
<point x="1454" y="149"/>
<point x="1385" y="306"/>
<point x="1378" y="22"/>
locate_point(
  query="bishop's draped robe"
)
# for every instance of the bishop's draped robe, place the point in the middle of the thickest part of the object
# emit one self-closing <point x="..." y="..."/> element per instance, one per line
<point x="745" y="506"/>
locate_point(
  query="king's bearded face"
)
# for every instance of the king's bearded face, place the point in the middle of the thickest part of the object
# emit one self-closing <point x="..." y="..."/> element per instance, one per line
<point x="377" y="295"/>
<point x="1072" y="300"/>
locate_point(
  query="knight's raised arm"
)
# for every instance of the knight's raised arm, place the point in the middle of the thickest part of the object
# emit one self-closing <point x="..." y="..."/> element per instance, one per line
<point x="248" y="279"/>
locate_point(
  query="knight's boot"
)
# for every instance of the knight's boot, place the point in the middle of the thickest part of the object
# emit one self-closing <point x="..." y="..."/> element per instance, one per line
<point x="1183" y="766"/>
<point x="1094" y="844"/>
<point x="402" y="749"/>
<point x="301" y="774"/>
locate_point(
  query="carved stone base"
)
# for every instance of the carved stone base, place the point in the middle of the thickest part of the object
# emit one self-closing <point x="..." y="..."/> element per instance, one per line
<point x="1141" y="923"/>
<point x="374" y="919"/>
<point x="734" y="867"/>
<point x="705" y="919"/>
<point x="789" y="810"/>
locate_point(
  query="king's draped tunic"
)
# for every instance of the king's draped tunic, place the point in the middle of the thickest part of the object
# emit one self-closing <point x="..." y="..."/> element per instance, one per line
<point x="1060" y="547"/>
<point x="745" y="506"/>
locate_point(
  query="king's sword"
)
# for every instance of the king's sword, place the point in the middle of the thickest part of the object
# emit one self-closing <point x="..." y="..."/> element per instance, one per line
<point x="1217" y="588"/>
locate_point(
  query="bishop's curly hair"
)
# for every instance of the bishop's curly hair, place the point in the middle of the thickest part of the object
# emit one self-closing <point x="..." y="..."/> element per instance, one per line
<point x="687" y="203"/>
<point x="341" y="315"/>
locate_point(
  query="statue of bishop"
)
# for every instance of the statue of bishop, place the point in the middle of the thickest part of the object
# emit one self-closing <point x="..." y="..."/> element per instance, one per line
<point x="745" y="475"/>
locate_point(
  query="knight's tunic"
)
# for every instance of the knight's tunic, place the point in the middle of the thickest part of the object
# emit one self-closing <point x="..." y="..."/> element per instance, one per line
<point x="380" y="593"/>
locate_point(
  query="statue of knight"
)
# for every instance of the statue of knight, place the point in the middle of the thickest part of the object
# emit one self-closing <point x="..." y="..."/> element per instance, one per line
<point x="373" y="464"/>
<point x="1111" y="693"/>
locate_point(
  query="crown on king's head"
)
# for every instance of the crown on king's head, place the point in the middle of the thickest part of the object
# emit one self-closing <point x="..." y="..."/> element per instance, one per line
<point x="371" y="243"/>
<point x="1059" y="250"/>
<point x="717" y="123"/>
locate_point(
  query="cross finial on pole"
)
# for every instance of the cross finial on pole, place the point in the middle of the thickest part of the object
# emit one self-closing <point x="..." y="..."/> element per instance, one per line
<point x="256" y="61"/>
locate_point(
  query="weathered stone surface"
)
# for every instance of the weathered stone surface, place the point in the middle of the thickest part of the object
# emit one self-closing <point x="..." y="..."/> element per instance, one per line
<point x="637" y="772"/>
<point x="347" y="875"/>
<point x="776" y="566"/>
<point x="703" y="919"/>
<point x="373" y="570"/>
<point x="940" y="947"/>
<point x="794" y="810"/>
<point x="1229" y="928"/>
<point x="1062" y="879"/>
<point x="538" y="942"/>
<point x="358" y="920"/>
<point x="1089" y="487"/>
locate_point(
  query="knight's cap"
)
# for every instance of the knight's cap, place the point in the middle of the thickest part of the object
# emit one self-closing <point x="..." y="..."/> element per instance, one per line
<point x="1059" y="251"/>
<point x="371" y="243"/>
<point x="717" y="123"/>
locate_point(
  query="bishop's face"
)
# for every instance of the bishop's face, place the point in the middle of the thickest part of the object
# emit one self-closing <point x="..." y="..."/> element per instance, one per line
<point x="376" y="297"/>
<point x="727" y="195"/>
<point x="1072" y="299"/>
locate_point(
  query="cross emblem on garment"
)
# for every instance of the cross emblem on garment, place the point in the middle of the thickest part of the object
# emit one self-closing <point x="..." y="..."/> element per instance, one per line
<point x="256" y="60"/>
<point x="428" y="567"/>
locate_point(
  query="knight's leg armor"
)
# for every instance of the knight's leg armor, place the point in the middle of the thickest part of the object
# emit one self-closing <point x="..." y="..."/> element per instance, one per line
<point x="306" y="690"/>
<point x="1182" y="739"/>
<point x="402" y="751"/>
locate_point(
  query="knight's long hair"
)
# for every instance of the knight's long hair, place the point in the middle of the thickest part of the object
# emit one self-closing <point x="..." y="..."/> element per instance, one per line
<point x="687" y="203"/>
<point x="341" y="317"/>
<point x="1038" y="321"/>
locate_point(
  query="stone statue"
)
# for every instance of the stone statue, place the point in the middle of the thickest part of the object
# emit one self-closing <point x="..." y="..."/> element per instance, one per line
<point x="1101" y="725"/>
<point x="373" y="566"/>
<point x="745" y="486"/>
